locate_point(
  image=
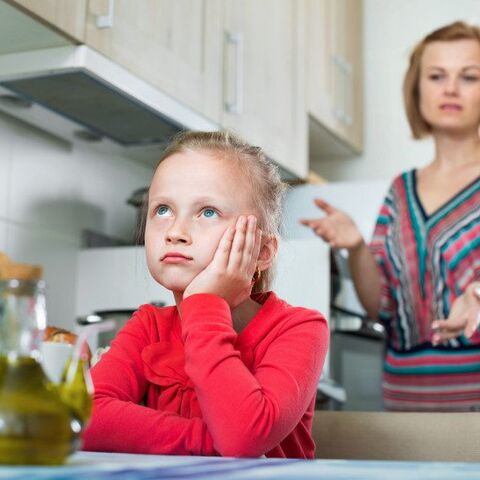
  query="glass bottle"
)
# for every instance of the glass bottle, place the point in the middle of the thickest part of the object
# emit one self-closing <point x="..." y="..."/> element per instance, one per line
<point x="37" y="426"/>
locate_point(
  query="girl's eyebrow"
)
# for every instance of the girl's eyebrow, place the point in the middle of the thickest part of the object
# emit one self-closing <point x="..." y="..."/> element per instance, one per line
<point x="200" y="201"/>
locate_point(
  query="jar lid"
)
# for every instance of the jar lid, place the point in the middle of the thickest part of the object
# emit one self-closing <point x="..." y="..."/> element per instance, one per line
<point x="18" y="271"/>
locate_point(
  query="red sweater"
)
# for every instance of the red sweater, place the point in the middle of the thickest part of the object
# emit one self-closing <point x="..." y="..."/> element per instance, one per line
<point x="196" y="387"/>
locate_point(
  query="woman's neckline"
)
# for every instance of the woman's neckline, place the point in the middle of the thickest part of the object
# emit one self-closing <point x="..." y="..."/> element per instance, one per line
<point x="427" y="215"/>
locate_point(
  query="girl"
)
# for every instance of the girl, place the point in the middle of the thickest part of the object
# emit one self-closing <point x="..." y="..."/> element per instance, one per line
<point x="231" y="369"/>
<point x="420" y="275"/>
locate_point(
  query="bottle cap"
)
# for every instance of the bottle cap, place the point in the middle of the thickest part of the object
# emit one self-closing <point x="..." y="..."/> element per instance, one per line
<point x="18" y="271"/>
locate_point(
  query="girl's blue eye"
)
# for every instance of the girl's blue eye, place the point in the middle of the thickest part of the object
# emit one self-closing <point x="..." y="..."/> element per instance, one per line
<point x="209" y="213"/>
<point x="163" y="210"/>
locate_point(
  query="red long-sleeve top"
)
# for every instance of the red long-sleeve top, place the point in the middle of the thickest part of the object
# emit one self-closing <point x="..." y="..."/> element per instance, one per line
<point x="193" y="386"/>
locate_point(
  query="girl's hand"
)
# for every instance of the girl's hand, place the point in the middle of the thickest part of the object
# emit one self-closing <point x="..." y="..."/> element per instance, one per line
<point x="229" y="274"/>
<point x="336" y="228"/>
<point x="464" y="316"/>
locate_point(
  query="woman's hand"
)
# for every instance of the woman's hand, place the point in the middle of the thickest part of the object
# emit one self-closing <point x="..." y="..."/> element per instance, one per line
<point x="229" y="274"/>
<point x="336" y="228"/>
<point x="464" y="316"/>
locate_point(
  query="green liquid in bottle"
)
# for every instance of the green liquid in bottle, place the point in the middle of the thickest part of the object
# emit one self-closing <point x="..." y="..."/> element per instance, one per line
<point x="36" y="425"/>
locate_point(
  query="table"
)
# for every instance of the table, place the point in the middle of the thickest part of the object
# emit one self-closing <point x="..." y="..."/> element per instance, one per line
<point x="102" y="466"/>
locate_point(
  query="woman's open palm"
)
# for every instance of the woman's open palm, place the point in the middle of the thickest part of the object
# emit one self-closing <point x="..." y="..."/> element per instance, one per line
<point x="336" y="227"/>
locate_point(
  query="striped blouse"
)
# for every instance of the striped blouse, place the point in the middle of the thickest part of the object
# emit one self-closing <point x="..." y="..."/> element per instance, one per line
<point x="427" y="261"/>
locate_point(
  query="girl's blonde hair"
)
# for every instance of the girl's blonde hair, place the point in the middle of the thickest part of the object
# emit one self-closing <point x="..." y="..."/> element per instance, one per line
<point x="262" y="175"/>
<point x="411" y="89"/>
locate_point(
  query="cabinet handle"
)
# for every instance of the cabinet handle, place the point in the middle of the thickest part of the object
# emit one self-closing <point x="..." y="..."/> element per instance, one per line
<point x="235" y="106"/>
<point x="339" y="87"/>
<point x="106" y="21"/>
<point x="348" y="73"/>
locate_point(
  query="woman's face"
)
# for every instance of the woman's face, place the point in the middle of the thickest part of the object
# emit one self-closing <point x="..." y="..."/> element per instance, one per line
<point x="194" y="197"/>
<point x="450" y="85"/>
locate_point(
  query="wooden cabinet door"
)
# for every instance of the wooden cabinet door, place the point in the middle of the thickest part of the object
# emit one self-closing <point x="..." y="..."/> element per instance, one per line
<point x="334" y="67"/>
<point x="322" y="76"/>
<point x="263" y="78"/>
<point x="173" y="44"/>
<point x="67" y="15"/>
<point x="353" y="55"/>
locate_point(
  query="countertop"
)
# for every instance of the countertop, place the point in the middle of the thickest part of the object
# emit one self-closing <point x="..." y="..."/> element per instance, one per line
<point x="100" y="466"/>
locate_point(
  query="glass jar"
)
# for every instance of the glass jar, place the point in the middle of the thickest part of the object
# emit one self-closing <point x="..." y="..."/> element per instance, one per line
<point x="37" y="426"/>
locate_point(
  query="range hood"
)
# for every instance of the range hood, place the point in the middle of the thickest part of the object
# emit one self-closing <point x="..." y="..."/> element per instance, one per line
<point x="79" y="95"/>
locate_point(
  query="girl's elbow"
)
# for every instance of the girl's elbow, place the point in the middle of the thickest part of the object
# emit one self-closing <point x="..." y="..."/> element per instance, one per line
<point x="240" y="448"/>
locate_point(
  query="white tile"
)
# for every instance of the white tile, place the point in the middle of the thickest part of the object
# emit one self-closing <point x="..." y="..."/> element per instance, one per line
<point x="5" y="159"/>
<point x="58" y="256"/>
<point x="3" y="236"/>
<point x="44" y="182"/>
<point x="110" y="182"/>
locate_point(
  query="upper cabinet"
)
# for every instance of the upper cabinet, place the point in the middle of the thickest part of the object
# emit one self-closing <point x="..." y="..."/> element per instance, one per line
<point x="174" y="45"/>
<point x="263" y="78"/>
<point x="334" y="72"/>
<point x="67" y="15"/>
<point x="284" y="74"/>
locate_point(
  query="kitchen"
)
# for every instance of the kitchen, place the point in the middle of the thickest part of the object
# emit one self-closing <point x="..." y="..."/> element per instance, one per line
<point x="53" y="189"/>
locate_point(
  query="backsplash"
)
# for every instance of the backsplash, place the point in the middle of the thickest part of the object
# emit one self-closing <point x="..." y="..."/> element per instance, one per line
<point x="49" y="193"/>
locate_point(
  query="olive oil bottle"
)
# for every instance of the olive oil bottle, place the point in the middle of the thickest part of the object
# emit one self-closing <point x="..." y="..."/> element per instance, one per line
<point x="37" y="425"/>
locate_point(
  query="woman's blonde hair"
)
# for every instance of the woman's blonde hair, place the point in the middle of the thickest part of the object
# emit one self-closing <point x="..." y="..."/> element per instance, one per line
<point x="262" y="175"/>
<point x="411" y="89"/>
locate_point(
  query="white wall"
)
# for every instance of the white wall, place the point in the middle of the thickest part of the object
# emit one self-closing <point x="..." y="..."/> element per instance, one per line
<point x="391" y="29"/>
<point x="49" y="193"/>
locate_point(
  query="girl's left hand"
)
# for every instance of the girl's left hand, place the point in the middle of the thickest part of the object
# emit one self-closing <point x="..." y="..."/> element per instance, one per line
<point x="229" y="274"/>
<point x="464" y="316"/>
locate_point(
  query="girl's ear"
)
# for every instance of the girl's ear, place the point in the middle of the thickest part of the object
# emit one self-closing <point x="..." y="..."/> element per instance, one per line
<point x="268" y="252"/>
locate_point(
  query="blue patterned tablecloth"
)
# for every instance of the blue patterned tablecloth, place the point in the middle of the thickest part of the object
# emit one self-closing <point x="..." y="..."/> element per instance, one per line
<point x="103" y="466"/>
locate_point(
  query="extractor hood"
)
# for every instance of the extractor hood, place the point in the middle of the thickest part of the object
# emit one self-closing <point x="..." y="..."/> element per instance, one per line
<point x="79" y="95"/>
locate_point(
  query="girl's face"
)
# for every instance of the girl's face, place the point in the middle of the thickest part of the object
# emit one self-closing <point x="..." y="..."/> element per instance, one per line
<point x="193" y="198"/>
<point x="450" y="85"/>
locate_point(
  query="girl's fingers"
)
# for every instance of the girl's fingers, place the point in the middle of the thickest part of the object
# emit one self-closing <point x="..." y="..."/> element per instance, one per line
<point x="249" y="243"/>
<point x="222" y="253"/>
<point x="236" y="252"/>
<point x="255" y="253"/>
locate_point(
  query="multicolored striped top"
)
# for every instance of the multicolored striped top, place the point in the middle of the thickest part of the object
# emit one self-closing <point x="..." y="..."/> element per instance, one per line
<point x="427" y="261"/>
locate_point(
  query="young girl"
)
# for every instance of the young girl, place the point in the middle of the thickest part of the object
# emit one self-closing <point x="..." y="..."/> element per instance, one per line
<point x="231" y="369"/>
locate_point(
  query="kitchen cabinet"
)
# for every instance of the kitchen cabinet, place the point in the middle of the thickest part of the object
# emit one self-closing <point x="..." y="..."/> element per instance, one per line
<point x="262" y="69"/>
<point x="174" y="45"/>
<point x="66" y="15"/>
<point x="263" y="94"/>
<point x="334" y="72"/>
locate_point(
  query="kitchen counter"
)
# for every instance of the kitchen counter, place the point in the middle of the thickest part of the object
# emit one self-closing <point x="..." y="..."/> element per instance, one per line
<point x="99" y="466"/>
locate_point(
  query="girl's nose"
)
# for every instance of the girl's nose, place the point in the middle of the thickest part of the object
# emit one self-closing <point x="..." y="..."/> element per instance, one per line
<point x="178" y="233"/>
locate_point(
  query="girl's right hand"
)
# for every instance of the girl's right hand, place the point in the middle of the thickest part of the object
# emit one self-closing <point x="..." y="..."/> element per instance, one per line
<point x="336" y="227"/>
<point x="229" y="274"/>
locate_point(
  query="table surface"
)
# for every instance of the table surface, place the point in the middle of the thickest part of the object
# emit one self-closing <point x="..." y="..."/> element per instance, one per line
<point x="100" y="466"/>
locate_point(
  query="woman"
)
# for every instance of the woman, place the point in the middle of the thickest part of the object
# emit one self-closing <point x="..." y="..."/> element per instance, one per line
<point x="420" y="275"/>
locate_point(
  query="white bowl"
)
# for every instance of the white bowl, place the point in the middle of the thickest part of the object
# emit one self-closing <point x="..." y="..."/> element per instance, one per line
<point x="54" y="359"/>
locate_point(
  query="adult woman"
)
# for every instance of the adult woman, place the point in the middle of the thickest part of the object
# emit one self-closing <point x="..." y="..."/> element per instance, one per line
<point x="420" y="275"/>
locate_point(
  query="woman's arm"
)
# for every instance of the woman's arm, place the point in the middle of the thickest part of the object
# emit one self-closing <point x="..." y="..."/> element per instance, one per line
<point x="366" y="278"/>
<point x="339" y="231"/>
<point x="119" y="423"/>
